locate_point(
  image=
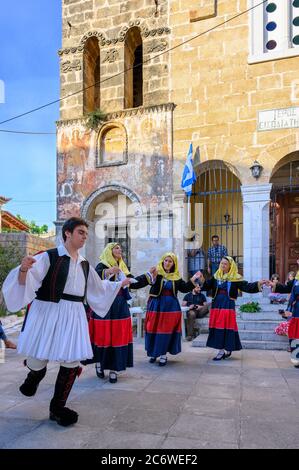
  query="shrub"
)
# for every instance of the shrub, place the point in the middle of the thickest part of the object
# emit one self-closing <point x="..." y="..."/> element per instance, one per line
<point x="95" y="118"/>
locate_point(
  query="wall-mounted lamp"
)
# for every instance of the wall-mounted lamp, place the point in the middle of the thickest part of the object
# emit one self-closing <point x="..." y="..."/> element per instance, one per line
<point x="256" y="169"/>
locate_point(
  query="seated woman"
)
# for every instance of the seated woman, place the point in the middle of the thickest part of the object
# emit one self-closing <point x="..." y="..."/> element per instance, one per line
<point x="163" y="327"/>
<point x="275" y="297"/>
<point x="223" y="328"/>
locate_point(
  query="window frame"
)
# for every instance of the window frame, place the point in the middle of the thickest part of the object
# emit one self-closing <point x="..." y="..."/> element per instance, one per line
<point x="99" y="152"/>
<point x="256" y="35"/>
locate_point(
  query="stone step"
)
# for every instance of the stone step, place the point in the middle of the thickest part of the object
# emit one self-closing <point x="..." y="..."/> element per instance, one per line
<point x="201" y="340"/>
<point x="259" y="316"/>
<point x="260" y="336"/>
<point x="265" y="325"/>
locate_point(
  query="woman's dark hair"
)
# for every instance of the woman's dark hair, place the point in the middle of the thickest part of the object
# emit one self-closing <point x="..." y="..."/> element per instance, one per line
<point x="215" y="236"/>
<point x="70" y="225"/>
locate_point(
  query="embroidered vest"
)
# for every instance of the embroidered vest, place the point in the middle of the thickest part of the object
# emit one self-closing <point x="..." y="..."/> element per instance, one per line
<point x="53" y="284"/>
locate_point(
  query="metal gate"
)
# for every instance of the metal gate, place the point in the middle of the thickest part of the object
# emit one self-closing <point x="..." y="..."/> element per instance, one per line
<point x="119" y="234"/>
<point x="284" y="182"/>
<point x="218" y="189"/>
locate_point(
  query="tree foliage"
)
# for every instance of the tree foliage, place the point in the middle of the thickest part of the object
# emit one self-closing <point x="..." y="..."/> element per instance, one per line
<point x="34" y="228"/>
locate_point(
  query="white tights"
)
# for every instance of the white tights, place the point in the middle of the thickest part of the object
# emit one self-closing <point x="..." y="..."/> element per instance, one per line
<point x="38" y="364"/>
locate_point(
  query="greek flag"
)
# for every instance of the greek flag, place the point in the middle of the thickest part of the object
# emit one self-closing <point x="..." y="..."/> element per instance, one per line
<point x="189" y="176"/>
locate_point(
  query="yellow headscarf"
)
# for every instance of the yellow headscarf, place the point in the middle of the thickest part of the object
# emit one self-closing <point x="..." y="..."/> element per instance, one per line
<point x="108" y="259"/>
<point x="297" y="276"/>
<point x="232" y="275"/>
<point x="175" y="275"/>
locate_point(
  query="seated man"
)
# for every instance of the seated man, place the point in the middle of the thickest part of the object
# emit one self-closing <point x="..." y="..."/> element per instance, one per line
<point x="198" y="309"/>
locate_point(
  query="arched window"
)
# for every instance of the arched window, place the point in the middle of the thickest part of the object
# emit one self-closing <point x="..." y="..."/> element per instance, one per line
<point x="133" y="62"/>
<point x="91" y="75"/>
<point x="112" y="145"/>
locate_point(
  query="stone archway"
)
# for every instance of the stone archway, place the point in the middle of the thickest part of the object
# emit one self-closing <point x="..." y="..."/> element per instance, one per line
<point x="218" y="189"/>
<point x="109" y="211"/>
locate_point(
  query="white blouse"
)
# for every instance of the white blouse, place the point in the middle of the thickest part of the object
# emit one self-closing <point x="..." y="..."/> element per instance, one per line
<point x="100" y="294"/>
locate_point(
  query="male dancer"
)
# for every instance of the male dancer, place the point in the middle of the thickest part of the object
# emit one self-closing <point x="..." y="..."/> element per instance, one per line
<point x="57" y="282"/>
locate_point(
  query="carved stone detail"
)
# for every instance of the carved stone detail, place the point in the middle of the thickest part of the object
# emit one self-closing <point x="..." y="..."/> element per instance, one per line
<point x="121" y="114"/>
<point x="104" y="41"/>
<point x="111" y="56"/>
<point x="157" y="47"/>
<point x="112" y="187"/>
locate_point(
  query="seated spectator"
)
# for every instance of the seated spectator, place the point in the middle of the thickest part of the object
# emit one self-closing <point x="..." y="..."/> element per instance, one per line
<point x="275" y="297"/>
<point x="198" y="308"/>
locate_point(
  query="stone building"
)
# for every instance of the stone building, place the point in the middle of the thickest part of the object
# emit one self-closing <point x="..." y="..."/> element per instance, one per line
<point x="167" y="73"/>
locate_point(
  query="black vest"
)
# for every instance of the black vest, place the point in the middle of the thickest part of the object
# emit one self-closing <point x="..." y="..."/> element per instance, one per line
<point x="53" y="284"/>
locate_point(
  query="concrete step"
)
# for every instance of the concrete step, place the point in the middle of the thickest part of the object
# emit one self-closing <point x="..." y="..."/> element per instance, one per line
<point x="259" y="316"/>
<point x="201" y="341"/>
<point x="260" y="335"/>
<point x="265" y="325"/>
<point x="266" y="307"/>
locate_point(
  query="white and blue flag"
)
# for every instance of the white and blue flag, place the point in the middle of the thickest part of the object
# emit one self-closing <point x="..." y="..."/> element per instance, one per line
<point x="189" y="176"/>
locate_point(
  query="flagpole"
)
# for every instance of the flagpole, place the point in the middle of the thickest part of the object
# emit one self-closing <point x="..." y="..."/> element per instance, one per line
<point x="188" y="212"/>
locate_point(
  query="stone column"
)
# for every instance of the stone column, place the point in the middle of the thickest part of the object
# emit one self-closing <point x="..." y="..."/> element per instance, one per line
<point x="256" y="225"/>
<point x="179" y="225"/>
<point x="58" y="224"/>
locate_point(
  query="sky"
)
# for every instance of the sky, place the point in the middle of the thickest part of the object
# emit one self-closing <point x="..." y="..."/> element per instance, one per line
<point x="30" y="37"/>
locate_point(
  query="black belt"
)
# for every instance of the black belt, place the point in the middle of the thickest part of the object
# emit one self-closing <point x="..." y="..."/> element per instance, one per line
<point x="72" y="298"/>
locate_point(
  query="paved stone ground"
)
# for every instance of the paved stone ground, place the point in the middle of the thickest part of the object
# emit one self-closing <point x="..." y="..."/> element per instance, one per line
<point x="248" y="401"/>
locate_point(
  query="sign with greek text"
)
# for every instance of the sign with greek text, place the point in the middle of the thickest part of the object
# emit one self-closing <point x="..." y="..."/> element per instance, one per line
<point x="276" y="119"/>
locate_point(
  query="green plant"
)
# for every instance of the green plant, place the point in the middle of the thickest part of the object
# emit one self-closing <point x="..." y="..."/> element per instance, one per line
<point x="250" y="307"/>
<point x="95" y="118"/>
<point x="34" y="228"/>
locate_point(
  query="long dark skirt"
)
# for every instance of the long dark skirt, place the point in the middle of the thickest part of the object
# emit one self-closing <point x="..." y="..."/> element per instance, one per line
<point x="163" y="328"/>
<point x="223" y="328"/>
<point x="112" y="337"/>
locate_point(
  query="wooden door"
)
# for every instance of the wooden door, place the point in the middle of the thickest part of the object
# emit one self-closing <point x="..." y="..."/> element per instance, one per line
<point x="287" y="241"/>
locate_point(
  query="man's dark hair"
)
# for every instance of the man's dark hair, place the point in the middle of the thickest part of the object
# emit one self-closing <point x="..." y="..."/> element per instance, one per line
<point x="70" y="225"/>
<point x="215" y="236"/>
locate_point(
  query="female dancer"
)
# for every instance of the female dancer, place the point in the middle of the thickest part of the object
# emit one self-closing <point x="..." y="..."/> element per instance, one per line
<point x="111" y="337"/>
<point x="223" y="329"/>
<point x="163" y="328"/>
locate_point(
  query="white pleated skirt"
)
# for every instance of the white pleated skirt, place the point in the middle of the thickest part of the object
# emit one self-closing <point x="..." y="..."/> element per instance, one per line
<point x="56" y="332"/>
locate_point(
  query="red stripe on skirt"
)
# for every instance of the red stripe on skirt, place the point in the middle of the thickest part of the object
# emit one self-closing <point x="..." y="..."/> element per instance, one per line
<point x="293" y="331"/>
<point x="222" y="318"/>
<point x="163" y="322"/>
<point x="115" y="333"/>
